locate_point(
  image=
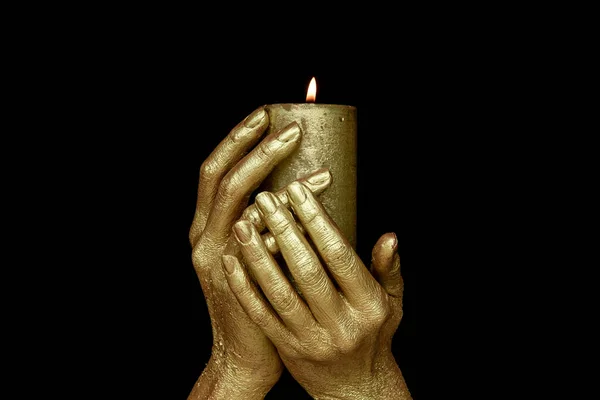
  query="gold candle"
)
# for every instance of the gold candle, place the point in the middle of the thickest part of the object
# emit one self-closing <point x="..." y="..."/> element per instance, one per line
<point x="328" y="141"/>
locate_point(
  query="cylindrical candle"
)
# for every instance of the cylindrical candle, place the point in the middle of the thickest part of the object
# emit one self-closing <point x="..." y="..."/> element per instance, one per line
<point x="328" y="141"/>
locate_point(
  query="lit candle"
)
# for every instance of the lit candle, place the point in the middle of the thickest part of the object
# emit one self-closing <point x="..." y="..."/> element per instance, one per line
<point x="328" y="141"/>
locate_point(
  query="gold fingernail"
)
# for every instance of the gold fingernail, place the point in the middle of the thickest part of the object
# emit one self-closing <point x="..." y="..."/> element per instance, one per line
<point x="243" y="231"/>
<point x="230" y="263"/>
<point x="394" y="242"/>
<point x="319" y="177"/>
<point x="296" y="192"/>
<point x="289" y="133"/>
<point x="266" y="202"/>
<point x="254" y="119"/>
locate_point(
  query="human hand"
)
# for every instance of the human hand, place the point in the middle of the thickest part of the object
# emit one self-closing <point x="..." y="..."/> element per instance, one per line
<point x="335" y="339"/>
<point x="243" y="362"/>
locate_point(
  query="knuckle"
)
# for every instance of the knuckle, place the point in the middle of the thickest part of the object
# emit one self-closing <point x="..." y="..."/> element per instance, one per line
<point x="202" y="250"/>
<point x="315" y="349"/>
<point x="381" y="312"/>
<point x="208" y="170"/>
<point x="270" y="244"/>
<point x="251" y="214"/>
<point x="280" y="225"/>
<point x="377" y="314"/>
<point x="310" y="214"/>
<point x="339" y="255"/>
<point x="269" y="241"/>
<point x="323" y="354"/>
<point x="198" y="258"/>
<point x="228" y="187"/>
<point x="346" y="344"/>
<point x="336" y="250"/>
<point x="315" y="345"/>
<point x="259" y="316"/>
<point x="266" y="150"/>
<point x="285" y="301"/>
<point x="193" y="234"/>
<point x="293" y="352"/>
<point x="311" y="275"/>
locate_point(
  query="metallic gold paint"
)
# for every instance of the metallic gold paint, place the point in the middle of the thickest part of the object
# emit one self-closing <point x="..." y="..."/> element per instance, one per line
<point x="346" y="352"/>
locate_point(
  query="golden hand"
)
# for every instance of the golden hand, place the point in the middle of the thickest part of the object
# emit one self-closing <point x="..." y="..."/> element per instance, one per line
<point x="334" y="340"/>
<point x="244" y="363"/>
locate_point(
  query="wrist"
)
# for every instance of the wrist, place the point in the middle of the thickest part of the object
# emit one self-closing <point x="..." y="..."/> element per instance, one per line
<point x="223" y="378"/>
<point x="383" y="382"/>
<point x="388" y="382"/>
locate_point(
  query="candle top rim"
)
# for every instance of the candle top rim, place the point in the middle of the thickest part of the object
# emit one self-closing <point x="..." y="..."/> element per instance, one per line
<point x="310" y="105"/>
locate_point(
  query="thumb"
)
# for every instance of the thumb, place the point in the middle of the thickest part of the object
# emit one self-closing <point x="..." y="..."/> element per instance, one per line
<point x="385" y="264"/>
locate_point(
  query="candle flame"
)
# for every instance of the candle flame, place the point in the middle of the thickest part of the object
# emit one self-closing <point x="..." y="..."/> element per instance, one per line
<point x="311" y="94"/>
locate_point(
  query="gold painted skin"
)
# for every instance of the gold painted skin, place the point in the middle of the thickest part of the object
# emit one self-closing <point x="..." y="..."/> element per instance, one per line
<point x="345" y="350"/>
<point x="243" y="363"/>
<point x="337" y="342"/>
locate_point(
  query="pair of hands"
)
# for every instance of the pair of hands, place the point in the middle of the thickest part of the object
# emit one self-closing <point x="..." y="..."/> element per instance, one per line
<point x="331" y="323"/>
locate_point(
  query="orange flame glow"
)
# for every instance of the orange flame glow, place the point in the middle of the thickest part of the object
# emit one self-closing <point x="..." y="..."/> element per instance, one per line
<point x="311" y="94"/>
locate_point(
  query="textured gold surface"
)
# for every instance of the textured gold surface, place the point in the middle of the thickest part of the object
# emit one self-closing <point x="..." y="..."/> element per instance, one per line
<point x="335" y="341"/>
<point x="328" y="141"/>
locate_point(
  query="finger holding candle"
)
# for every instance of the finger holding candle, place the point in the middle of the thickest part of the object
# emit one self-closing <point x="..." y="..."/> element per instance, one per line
<point x="316" y="182"/>
<point x="350" y="273"/>
<point x="233" y="248"/>
<point x="277" y="289"/>
<point x="231" y="149"/>
<point x="235" y="188"/>
<point x="321" y="295"/>
<point x="329" y="139"/>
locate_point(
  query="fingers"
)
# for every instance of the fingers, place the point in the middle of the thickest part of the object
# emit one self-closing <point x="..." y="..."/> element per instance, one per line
<point x="221" y="160"/>
<point x="233" y="247"/>
<point x="252" y="303"/>
<point x="322" y="297"/>
<point x="235" y="188"/>
<point x="271" y="243"/>
<point x="278" y="290"/>
<point x="385" y="265"/>
<point x="353" y="278"/>
<point x="316" y="182"/>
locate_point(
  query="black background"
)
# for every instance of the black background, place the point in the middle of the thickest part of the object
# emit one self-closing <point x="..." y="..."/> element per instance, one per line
<point x="139" y="127"/>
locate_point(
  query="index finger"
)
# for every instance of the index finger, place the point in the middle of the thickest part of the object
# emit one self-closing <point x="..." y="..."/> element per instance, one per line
<point x="316" y="182"/>
<point x="352" y="276"/>
<point x="231" y="149"/>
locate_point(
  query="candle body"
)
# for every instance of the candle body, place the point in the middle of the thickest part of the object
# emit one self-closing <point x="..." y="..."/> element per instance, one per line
<point x="328" y="141"/>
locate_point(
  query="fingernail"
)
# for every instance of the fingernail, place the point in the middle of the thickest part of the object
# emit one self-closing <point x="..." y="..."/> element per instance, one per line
<point x="296" y="192"/>
<point x="230" y="263"/>
<point x="394" y="242"/>
<point x="319" y="177"/>
<point x="254" y="119"/>
<point x="243" y="231"/>
<point x="289" y="133"/>
<point x="266" y="202"/>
